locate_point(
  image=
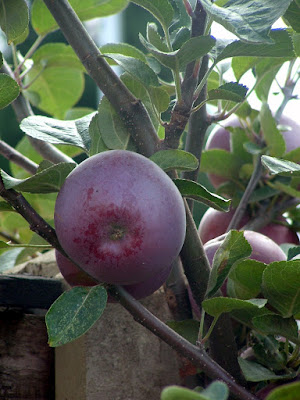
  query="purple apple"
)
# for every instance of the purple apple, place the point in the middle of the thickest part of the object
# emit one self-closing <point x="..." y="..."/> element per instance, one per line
<point x="264" y="249"/>
<point x="75" y="277"/>
<point x="220" y="139"/>
<point x="120" y="218"/>
<point x="214" y="223"/>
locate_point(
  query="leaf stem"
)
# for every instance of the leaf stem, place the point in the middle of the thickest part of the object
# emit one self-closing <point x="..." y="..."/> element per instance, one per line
<point x="206" y="337"/>
<point x="240" y="211"/>
<point x="32" y="49"/>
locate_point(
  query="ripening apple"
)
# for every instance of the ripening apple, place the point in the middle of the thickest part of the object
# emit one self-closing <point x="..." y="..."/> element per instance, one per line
<point x="264" y="250"/>
<point x="220" y="139"/>
<point x="214" y="223"/>
<point x="76" y="277"/>
<point x="120" y="218"/>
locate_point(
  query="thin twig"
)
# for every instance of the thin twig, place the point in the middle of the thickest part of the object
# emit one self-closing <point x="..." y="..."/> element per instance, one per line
<point x="240" y="211"/>
<point x="17" y="158"/>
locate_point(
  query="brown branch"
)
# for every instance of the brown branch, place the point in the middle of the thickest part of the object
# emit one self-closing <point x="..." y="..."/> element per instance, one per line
<point x="130" y="109"/>
<point x="17" y="158"/>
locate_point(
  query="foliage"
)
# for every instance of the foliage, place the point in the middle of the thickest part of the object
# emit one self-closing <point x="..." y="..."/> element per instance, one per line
<point x="167" y="121"/>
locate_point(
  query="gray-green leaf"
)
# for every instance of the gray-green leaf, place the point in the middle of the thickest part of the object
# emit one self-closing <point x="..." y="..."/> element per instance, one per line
<point x="250" y="20"/>
<point x="49" y="180"/>
<point x="74" y="132"/>
<point x="175" y="159"/>
<point x="195" y="191"/>
<point x="74" y="313"/>
<point x="281" y="286"/>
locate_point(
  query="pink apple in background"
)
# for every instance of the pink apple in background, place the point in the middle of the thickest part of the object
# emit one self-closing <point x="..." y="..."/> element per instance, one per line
<point x="263" y="249"/>
<point x="120" y="217"/>
<point x="75" y="277"/>
<point x="214" y="223"/>
<point x="220" y="139"/>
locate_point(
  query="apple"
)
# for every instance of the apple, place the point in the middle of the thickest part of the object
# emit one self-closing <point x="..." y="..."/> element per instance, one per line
<point x="76" y="277"/>
<point x="220" y="139"/>
<point x="120" y="217"/>
<point x="214" y="223"/>
<point x="264" y="250"/>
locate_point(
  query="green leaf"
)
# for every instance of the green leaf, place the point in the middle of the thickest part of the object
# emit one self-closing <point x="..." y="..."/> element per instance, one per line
<point x="282" y="47"/>
<point x="277" y="166"/>
<point x="281" y="286"/>
<point x="246" y="278"/>
<point x="9" y="90"/>
<point x="123" y="48"/>
<point x="215" y="391"/>
<point x="14" y="18"/>
<point x="191" y="50"/>
<point x="162" y="10"/>
<point x="112" y="130"/>
<point x="155" y="39"/>
<point x="218" y="305"/>
<point x="229" y="91"/>
<point x="214" y="160"/>
<point x="56" y="81"/>
<point x="285" y="392"/>
<point x="276" y="325"/>
<point x="266" y="71"/>
<point x="8" y="259"/>
<point x="43" y="22"/>
<point x="296" y="44"/>
<point x="292" y="16"/>
<point x="255" y="372"/>
<point x="6" y="207"/>
<point x="74" y="313"/>
<point x="97" y="144"/>
<point x="169" y="160"/>
<point x="136" y="68"/>
<point x="250" y="20"/>
<point x="271" y="134"/>
<point x="74" y="132"/>
<point x="233" y="248"/>
<point x="240" y="65"/>
<point x="195" y="191"/>
<point x="49" y="180"/>
<point x="189" y="329"/>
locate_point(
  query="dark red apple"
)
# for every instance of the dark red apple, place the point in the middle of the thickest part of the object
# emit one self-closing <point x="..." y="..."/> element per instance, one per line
<point x="214" y="223"/>
<point x="120" y="217"/>
<point x="75" y="277"/>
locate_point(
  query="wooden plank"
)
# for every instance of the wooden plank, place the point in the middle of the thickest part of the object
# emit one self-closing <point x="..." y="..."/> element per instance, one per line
<point x="28" y="291"/>
<point x="26" y="361"/>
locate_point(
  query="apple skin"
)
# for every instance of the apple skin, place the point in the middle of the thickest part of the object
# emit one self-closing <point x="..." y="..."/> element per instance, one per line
<point x="75" y="277"/>
<point x="264" y="249"/>
<point x="214" y="223"/>
<point x="120" y="217"/>
<point x="220" y="139"/>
